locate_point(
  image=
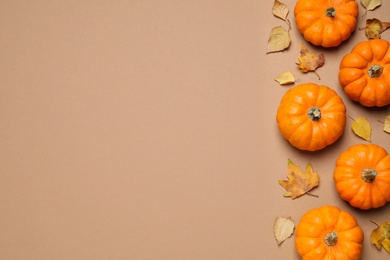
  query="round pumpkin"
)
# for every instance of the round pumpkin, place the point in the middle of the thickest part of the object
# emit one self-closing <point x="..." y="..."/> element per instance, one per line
<point x="362" y="176"/>
<point x="365" y="73"/>
<point x="326" y="22"/>
<point x="311" y="116"/>
<point x="328" y="233"/>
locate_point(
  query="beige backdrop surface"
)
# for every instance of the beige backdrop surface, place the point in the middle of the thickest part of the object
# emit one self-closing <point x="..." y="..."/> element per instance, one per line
<point x="146" y="130"/>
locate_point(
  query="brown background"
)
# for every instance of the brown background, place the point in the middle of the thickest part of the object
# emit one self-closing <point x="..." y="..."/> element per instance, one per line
<point x="146" y="130"/>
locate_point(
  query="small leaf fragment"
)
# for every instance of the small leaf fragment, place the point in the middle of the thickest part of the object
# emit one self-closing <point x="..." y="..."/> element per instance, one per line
<point x="386" y="128"/>
<point x="299" y="183"/>
<point x="380" y="236"/>
<point x="283" y="229"/>
<point x="362" y="128"/>
<point x="308" y="61"/>
<point x="285" y="78"/>
<point x="371" y="4"/>
<point x="280" y="10"/>
<point x="279" y="39"/>
<point x="374" y="28"/>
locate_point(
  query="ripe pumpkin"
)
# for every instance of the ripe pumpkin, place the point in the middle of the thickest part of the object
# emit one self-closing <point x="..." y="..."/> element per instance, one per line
<point x="328" y="233"/>
<point x="362" y="176"/>
<point x="311" y="116"/>
<point x="365" y="73"/>
<point x="326" y="22"/>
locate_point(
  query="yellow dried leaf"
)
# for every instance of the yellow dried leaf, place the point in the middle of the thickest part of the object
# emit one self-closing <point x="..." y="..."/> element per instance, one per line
<point x="299" y="183"/>
<point x="362" y="128"/>
<point x="386" y="128"/>
<point x="381" y="236"/>
<point x="280" y="10"/>
<point x="278" y="40"/>
<point x="374" y="28"/>
<point x="371" y="4"/>
<point x="283" y="229"/>
<point x="308" y="61"/>
<point x="285" y="78"/>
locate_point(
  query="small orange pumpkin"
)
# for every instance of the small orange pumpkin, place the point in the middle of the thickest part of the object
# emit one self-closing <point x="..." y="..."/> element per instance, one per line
<point x="362" y="176"/>
<point x="365" y="73"/>
<point x="328" y="233"/>
<point x="326" y="22"/>
<point x="311" y="116"/>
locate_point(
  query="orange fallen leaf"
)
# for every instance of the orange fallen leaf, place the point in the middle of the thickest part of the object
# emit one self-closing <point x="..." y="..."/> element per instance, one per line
<point x="299" y="183"/>
<point x="308" y="61"/>
<point x="380" y="236"/>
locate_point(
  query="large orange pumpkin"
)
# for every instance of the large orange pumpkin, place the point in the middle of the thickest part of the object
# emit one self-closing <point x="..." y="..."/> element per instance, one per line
<point x="326" y="22"/>
<point x="365" y="73"/>
<point x="311" y="116"/>
<point x="362" y="176"/>
<point x="328" y="233"/>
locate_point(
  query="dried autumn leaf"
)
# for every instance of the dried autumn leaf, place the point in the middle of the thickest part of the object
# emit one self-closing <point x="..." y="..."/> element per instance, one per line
<point x="362" y="128"/>
<point x="381" y="236"/>
<point x="371" y="4"/>
<point x="279" y="39"/>
<point x="308" y="61"/>
<point x="285" y="78"/>
<point x="374" y="28"/>
<point x="299" y="183"/>
<point x="386" y="128"/>
<point x="280" y="10"/>
<point x="283" y="229"/>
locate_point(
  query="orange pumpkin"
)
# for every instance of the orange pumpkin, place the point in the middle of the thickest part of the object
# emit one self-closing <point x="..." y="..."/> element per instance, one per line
<point x="365" y="73"/>
<point x="326" y="22"/>
<point x="311" y="116"/>
<point x="328" y="233"/>
<point x="362" y="176"/>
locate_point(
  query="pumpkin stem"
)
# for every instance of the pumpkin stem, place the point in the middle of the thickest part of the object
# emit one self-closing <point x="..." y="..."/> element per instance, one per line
<point x="330" y="12"/>
<point x="368" y="174"/>
<point x="314" y="113"/>
<point x="331" y="238"/>
<point x="375" y="71"/>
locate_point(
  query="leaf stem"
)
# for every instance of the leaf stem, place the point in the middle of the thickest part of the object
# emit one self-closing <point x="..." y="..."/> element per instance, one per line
<point x="311" y="194"/>
<point x="374" y="222"/>
<point x="317" y="74"/>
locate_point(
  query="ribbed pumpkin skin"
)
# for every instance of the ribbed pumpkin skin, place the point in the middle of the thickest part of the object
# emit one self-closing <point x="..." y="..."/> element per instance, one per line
<point x="321" y="29"/>
<point x="295" y="124"/>
<point x="354" y="74"/>
<point x="348" y="176"/>
<point x="317" y="223"/>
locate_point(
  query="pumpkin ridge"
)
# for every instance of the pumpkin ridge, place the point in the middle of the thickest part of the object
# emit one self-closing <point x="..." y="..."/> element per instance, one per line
<point x="383" y="195"/>
<point x="379" y="49"/>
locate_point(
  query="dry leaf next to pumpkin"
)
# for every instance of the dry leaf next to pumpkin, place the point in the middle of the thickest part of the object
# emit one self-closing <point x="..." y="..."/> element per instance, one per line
<point x="371" y="4"/>
<point x="362" y="128"/>
<point x="280" y="10"/>
<point x="283" y="229"/>
<point x="299" y="183"/>
<point x="374" y="28"/>
<point x="308" y="61"/>
<point x="386" y="127"/>
<point x="381" y="236"/>
<point x="285" y="78"/>
<point x="279" y="39"/>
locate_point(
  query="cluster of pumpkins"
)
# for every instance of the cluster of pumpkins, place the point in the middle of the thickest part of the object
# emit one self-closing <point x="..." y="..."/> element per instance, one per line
<point x="312" y="117"/>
